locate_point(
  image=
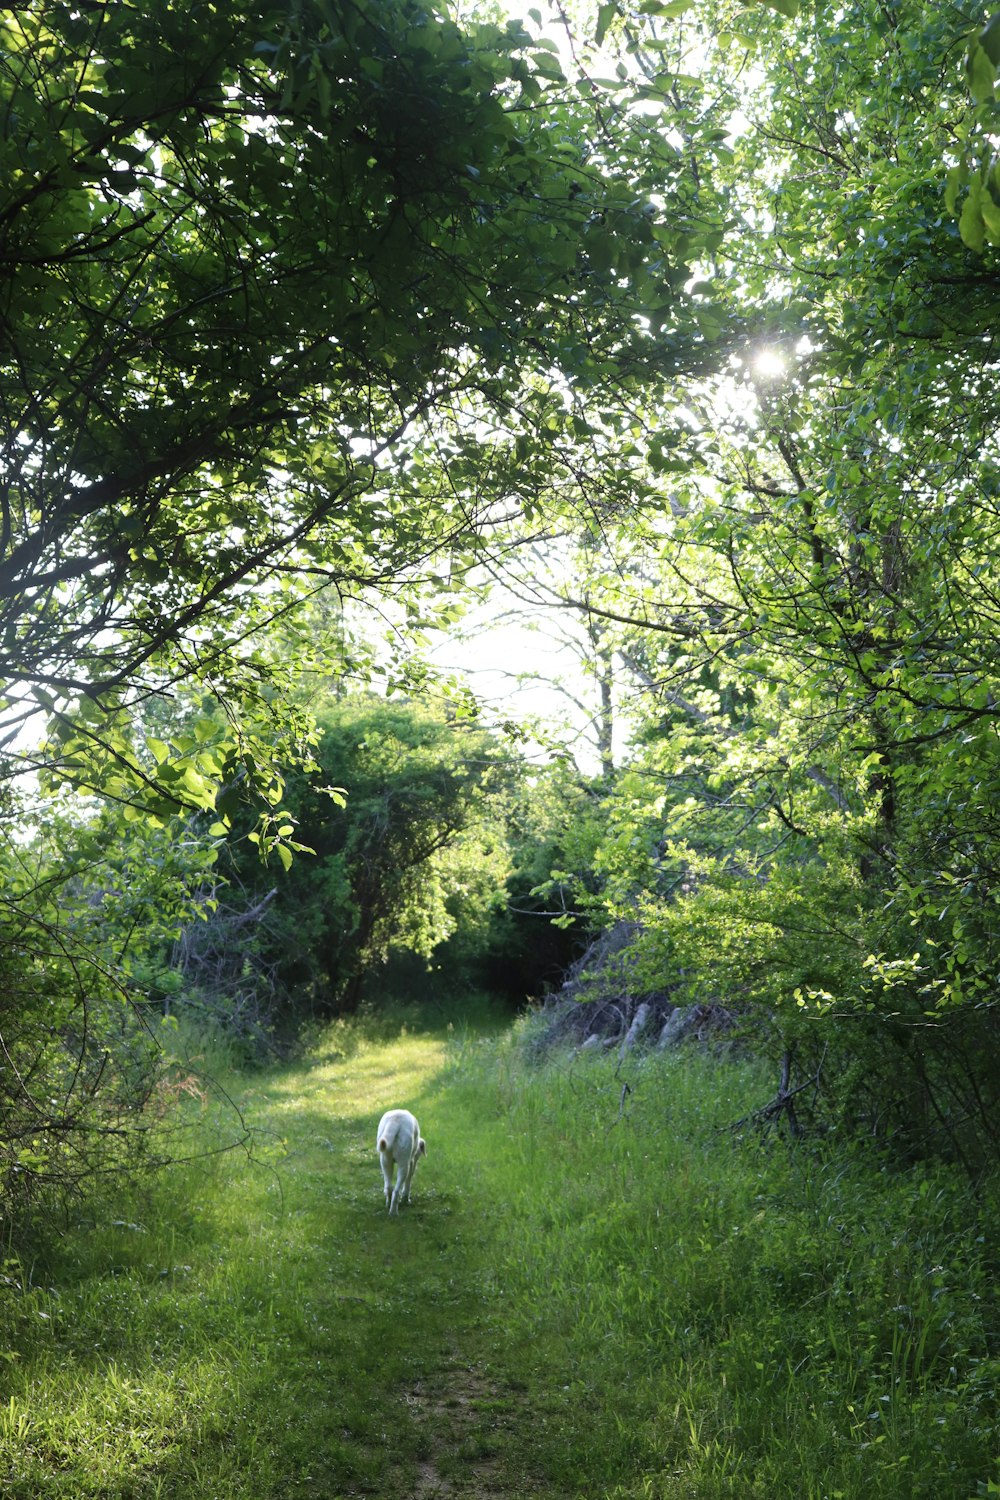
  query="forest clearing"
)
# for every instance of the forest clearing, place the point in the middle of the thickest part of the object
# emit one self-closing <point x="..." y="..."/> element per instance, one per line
<point x="582" y="1301"/>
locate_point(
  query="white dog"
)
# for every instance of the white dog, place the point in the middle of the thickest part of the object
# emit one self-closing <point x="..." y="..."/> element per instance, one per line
<point x="399" y="1141"/>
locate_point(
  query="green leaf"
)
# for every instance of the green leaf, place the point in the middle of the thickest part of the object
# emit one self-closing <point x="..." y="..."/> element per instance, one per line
<point x="989" y="39"/>
<point x="548" y="67"/>
<point x="981" y="72"/>
<point x="991" y="217"/>
<point x="970" y="224"/>
<point x="956" y="180"/>
<point x="605" y="16"/>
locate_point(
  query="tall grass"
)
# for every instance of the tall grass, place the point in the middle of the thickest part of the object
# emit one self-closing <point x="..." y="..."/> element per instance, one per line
<point x="726" y="1317"/>
<point x="598" y="1291"/>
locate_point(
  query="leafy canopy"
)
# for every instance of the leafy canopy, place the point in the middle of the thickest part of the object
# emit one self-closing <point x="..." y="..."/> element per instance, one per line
<point x="256" y="261"/>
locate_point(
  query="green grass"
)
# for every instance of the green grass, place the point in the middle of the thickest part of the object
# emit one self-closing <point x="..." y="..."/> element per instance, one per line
<point x="796" y="1324"/>
<point x="594" y="1294"/>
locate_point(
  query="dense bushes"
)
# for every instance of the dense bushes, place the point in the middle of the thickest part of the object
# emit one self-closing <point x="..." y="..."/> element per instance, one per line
<point x="88" y="906"/>
<point x="429" y="859"/>
<point x="404" y="847"/>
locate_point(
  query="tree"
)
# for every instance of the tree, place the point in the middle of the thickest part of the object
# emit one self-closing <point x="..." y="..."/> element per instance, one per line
<point x="256" y="263"/>
<point x="268" y="273"/>
<point x="385" y="860"/>
<point x="805" y="573"/>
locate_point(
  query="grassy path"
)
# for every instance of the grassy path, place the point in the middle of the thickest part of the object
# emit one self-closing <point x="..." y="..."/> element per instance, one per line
<point x="256" y="1332"/>
<point x="391" y="1356"/>
<point x="596" y="1294"/>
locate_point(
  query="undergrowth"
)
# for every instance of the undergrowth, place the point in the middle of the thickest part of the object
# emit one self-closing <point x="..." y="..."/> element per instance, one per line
<point x="599" y="1292"/>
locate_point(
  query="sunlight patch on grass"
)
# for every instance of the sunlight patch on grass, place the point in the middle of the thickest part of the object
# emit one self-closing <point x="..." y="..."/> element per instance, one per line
<point x="371" y="1076"/>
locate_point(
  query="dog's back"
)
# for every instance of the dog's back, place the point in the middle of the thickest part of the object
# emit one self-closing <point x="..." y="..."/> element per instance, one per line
<point x="399" y="1142"/>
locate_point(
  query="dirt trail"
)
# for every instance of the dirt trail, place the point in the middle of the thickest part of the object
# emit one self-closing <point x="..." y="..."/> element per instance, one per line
<point x="465" y="1417"/>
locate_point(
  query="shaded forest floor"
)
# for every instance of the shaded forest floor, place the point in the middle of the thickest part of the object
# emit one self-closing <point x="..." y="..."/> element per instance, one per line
<point x="596" y="1293"/>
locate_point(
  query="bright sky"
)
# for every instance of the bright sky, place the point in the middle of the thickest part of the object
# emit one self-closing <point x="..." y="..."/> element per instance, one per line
<point x="519" y="670"/>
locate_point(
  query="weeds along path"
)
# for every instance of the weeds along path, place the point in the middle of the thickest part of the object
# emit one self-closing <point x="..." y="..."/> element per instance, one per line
<point x="255" y="1331"/>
